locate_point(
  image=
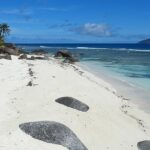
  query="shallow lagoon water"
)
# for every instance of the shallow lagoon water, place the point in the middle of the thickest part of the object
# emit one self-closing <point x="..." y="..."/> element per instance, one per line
<point x="126" y="66"/>
<point x="136" y="90"/>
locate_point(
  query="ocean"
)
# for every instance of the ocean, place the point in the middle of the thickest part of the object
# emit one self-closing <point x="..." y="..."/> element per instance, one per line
<point x="125" y="66"/>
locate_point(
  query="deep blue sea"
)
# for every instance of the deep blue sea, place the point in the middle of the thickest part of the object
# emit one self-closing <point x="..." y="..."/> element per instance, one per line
<point x="126" y="66"/>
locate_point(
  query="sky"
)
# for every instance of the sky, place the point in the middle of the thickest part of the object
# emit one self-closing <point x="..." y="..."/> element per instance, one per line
<point x="76" y="21"/>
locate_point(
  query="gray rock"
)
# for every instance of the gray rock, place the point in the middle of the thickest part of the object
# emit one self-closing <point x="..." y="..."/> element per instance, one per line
<point x="73" y="103"/>
<point x="23" y="56"/>
<point x="63" y="53"/>
<point x="31" y="58"/>
<point x="30" y="72"/>
<point x="53" y="132"/>
<point x="5" y="56"/>
<point x="144" y="145"/>
<point x="10" y="45"/>
<point x="30" y="83"/>
<point x="21" y="51"/>
<point x="36" y="57"/>
<point x="39" y="52"/>
<point x="40" y="58"/>
<point x="11" y="51"/>
<point x="69" y="58"/>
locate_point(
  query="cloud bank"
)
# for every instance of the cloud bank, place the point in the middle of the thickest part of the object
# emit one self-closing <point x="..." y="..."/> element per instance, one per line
<point x="52" y="9"/>
<point x="87" y="29"/>
<point x="93" y="29"/>
<point x="21" y="11"/>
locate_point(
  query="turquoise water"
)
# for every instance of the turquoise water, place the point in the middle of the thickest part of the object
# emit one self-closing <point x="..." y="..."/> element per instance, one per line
<point x="136" y="90"/>
<point x="127" y="70"/>
<point x="126" y="66"/>
<point x="137" y="75"/>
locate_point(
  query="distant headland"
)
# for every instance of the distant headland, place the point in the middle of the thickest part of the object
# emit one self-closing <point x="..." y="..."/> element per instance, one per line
<point x="147" y="41"/>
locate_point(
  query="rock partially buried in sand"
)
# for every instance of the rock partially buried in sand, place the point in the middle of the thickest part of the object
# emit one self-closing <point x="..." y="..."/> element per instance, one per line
<point x="40" y="58"/>
<point x="30" y="83"/>
<point x="144" y="145"/>
<point x="23" y="56"/>
<point x="5" y="56"/>
<point x="69" y="58"/>
<point x="11" y="51"/>
<point x="53" y="132"/>
<point x="73" y="103"/>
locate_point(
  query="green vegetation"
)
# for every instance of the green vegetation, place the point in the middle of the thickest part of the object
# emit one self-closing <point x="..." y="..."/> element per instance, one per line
<point x="4" y="31"/>
<point x="1" y="42"/>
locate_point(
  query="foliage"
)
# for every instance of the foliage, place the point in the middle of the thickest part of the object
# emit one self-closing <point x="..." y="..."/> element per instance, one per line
<point x="4" y="31"/>
<point x="1" y="42"/>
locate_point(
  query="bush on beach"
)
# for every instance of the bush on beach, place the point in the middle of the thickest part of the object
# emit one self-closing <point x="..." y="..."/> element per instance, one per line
<point x="1" y="43"/>
<point x="4" y="31"/>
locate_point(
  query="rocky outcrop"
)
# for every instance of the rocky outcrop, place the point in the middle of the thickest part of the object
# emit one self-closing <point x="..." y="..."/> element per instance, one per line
<point x="39" y="52"/>
<point x="69" y="58"/>
<point x="23" y="56"/>
<point x="63" y="53"/>
<point x="31" y="58"/>
<point x="40" y="58"/>
<point x="10" y="49"/>
<point x="5" y="56"/>
<point x="37" y="57"/>
<point x="10" y="45"/>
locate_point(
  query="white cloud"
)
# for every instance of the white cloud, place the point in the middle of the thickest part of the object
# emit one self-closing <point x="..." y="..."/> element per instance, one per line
<point x="93" y="29"/>
<point x="16" y="11"/>
<point x="52" y="9"/>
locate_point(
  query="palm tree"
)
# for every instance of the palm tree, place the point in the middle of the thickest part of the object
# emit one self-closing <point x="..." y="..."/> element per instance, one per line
<point x="4" y="30"/>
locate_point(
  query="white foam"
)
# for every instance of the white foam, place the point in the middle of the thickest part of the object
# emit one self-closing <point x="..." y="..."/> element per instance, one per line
<point x="139" y="50"/>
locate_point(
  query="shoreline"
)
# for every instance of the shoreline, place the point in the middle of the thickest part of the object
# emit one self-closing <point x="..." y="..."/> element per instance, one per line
<point x="123" y="87"/>
<point x="104" y="126"/>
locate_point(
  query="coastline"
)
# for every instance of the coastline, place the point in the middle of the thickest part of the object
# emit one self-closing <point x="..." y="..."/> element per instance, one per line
<point x="106" y="125"/>
<point x="123" y="86"/>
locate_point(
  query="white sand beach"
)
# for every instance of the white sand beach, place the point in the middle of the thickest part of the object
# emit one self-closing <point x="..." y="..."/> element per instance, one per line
<point x="112" y="121"/>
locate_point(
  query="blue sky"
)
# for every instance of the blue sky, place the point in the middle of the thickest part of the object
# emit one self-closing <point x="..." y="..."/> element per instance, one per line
<point x="63" y="21"/>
